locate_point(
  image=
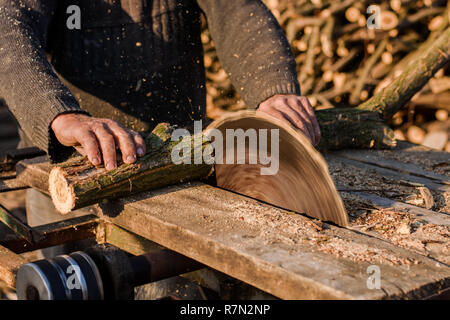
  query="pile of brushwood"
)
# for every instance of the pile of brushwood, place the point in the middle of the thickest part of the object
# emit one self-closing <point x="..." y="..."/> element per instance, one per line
<point x="366" y="66"/>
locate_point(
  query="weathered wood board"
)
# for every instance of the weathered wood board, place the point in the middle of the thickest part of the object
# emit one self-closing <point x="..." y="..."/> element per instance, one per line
<point x="406" y="203"/>
<point x="407" y="158"/>
<point x="289" y="255"/>
<point x="283" y="253"/>
<point x="10" y="263"/>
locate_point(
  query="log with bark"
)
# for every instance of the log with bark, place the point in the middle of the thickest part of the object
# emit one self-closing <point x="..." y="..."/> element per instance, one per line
<point x="352" y="128"/>
<point x="416" y="74"/>
<point x="341" y="62"/>
<point x="76" y="183"/>
<point x="366" y="129"/>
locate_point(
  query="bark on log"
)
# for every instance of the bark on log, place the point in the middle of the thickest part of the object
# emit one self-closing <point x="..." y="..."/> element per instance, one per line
<point x="352" y="128"/>
<point x="77" y="183"/>
<point x="413" y="78"/>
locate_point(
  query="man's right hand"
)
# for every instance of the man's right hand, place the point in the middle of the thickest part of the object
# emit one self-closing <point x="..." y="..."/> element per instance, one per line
<point x="97" y="138"/>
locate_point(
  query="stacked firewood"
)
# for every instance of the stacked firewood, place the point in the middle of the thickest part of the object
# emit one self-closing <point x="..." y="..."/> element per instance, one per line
<point x="348" y="50"/>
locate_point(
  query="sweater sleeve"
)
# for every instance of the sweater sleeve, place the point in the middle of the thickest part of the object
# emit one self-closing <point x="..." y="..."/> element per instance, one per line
<point x="252" y="48"/>
<point x="28" y="84"/>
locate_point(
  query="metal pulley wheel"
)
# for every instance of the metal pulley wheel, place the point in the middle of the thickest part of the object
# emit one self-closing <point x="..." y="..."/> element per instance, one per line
<point x="65" y="277"/>
<point x="101" y="272"/>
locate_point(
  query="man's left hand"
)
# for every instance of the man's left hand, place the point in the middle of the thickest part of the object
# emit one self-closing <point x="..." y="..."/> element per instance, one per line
<point x="295" y="109"/>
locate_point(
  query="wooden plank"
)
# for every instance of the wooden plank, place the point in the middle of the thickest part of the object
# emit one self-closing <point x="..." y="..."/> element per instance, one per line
<point x="285" y="254"/>
<point x="417" y="229"/>
<point x="431" y="184"/>
<point x="385" y="159"/>
<point x="380" y="209"/>
<point x="424" y="214"/>
<point x="428" y="159"/>
<point x="352" y="175"/>
<point x="29" y="173"/>
<point x="34" y="173"/>
<point x="55" y="233"/>
<point x="13" y="184"/>
<point x="287" y="251"/>
<point x="9" y="264"/>
<point x="128" y="241"/>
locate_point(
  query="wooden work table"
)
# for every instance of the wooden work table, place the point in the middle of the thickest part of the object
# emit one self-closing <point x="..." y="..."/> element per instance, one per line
<point x="398" y="203"/>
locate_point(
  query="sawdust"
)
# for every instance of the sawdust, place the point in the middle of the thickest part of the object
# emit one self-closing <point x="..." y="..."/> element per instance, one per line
<point x="295" y="230"/>
<point x="401" y="228"/>
<point x="404" y="230"/>
<point x="351" y="178"/>
<point x="429" y="160"/>
<point x="358" y="252"/>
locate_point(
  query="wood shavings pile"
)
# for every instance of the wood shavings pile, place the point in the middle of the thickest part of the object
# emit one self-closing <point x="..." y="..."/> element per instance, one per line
<point x="278" y="226"/>
<point x="405" y="230"/>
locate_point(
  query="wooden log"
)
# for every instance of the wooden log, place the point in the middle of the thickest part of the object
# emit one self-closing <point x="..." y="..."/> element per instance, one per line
<point x="440" y="101"/>
<point x="77" y="183"/>
<point x="351" y="128"/>
<point x="413" y="78"/>
<point x="355" y="96"/>
<point x="9" y="264"/>
<point x="389" y="20"/>
<point x="34" y="173"/>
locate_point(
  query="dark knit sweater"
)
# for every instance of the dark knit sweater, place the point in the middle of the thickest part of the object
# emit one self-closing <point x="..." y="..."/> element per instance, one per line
<point x="139" y="62"/>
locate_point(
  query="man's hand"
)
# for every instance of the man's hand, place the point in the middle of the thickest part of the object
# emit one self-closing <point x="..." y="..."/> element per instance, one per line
<point x="95" y="137"/>
<point x="295" y="109"/>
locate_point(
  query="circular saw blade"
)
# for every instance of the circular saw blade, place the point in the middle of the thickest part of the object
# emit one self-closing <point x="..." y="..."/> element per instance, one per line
<point x="302" y="182"/>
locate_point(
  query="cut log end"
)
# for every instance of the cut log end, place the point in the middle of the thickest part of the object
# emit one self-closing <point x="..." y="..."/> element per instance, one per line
<point x="61" y="191"/>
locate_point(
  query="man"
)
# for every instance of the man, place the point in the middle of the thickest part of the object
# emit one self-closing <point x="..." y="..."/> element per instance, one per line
<point x="131" y="65"/>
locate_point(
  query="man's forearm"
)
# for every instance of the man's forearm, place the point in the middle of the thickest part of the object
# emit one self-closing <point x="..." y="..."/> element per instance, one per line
<point x="252" y="48"/>
<point x="30" y="88"/>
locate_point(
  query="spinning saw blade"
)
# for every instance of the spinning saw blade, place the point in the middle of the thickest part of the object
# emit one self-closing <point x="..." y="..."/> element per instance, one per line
<point x="301" y="183"/>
